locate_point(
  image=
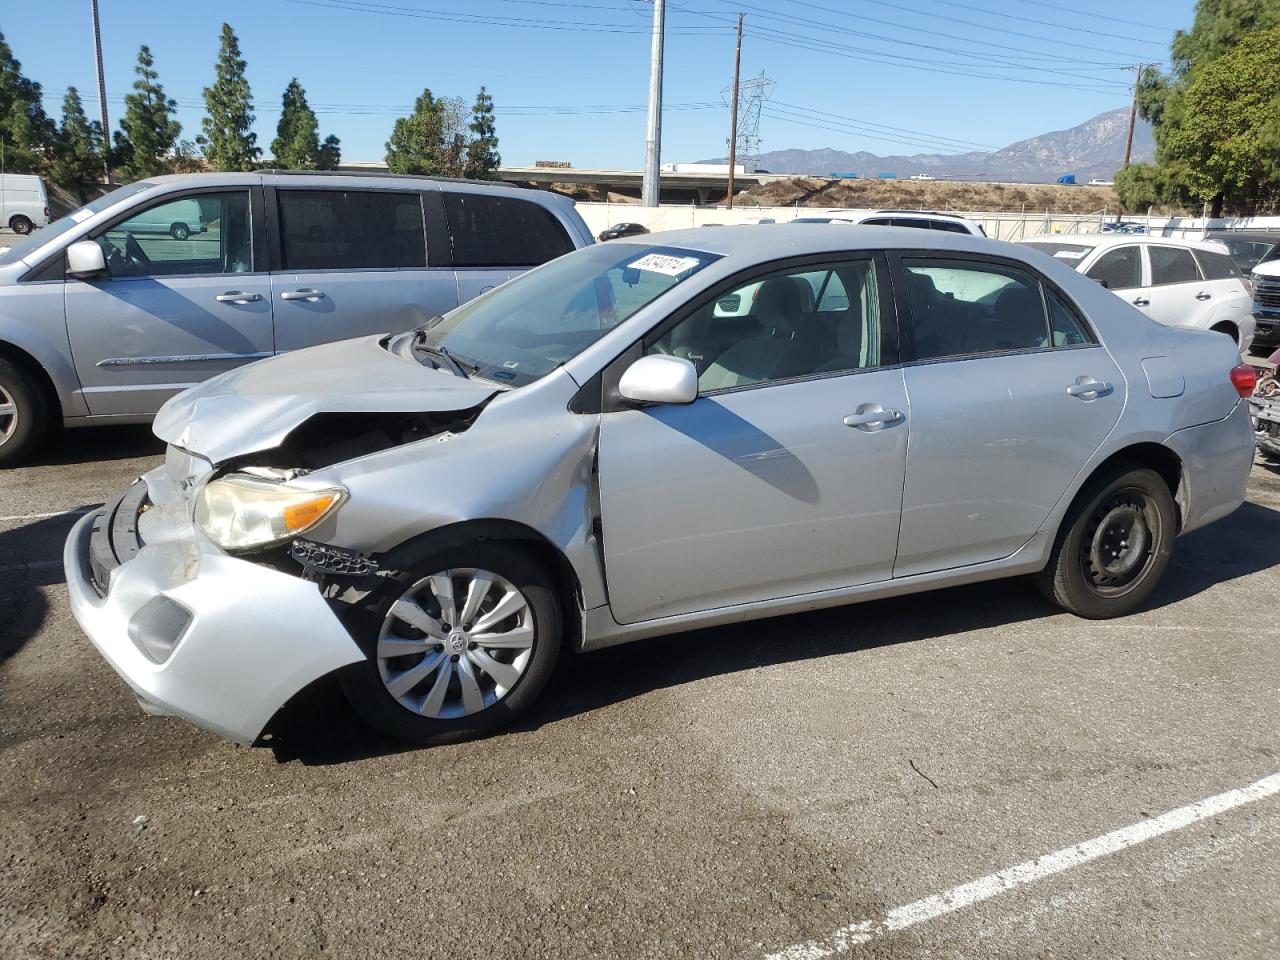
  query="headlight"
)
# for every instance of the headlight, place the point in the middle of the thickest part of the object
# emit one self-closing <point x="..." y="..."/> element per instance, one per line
<point x="239" y="512"/>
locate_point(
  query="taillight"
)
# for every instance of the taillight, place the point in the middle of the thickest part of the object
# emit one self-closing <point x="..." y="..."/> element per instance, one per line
<point x="1244" y="378"/>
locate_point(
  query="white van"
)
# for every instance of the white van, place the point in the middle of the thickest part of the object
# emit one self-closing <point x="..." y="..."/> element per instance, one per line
<point x="24" y="203"/>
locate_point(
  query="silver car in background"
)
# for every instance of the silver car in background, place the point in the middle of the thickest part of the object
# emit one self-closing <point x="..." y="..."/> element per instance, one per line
<point x="113" y="309"/>
<point x="594" y="454"/>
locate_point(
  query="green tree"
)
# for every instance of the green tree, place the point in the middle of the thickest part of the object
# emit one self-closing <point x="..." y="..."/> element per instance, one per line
<point x="297" y="142"/>
<point x="483" y="158"/>
<point x="148" y="130"/>
<point x="330" y="154"/>
<point x="417" y="141"/>
<point x="1219" y="26"/>
<point x="26" y="132"/>
<point x="77" y="157"/>
<point x="1217" y="142"/>
<point x="228" y="139"/>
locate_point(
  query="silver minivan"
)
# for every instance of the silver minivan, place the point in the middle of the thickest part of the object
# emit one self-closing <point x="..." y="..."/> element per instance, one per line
<point x="166" y="282"/>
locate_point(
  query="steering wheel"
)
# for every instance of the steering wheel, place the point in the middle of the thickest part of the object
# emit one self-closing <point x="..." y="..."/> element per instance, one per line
<point x="133" y="251"/>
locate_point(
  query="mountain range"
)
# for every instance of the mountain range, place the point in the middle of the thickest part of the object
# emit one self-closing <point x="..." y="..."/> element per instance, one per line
<point x="1092" y="149"/>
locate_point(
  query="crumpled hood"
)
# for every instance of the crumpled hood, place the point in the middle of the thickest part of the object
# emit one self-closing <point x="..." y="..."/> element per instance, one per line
<point x="255" y="406"/>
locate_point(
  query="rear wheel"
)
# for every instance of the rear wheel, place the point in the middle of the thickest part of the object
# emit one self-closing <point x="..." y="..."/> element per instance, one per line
<point x="21" y="224"/>
<point x="23" y="412"/>
<point x="179" y="231"/>
<point x="1113" y="546"/>
<point x="457" y="647"/>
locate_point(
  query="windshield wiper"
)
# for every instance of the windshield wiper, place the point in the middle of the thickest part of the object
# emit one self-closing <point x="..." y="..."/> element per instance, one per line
<point x="460" y="366"/>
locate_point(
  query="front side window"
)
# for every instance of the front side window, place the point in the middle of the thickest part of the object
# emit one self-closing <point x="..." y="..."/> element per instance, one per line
<point x="526" y="328"/>
<point x="496" y="231"/>
<point x="784" y="324"/>
<point x="964" y="308"/>
<point x="1172" y="265"/>
<point x="1118" y="269"/>
<point x="351" y="230"/>
<point x="202" y="234"/>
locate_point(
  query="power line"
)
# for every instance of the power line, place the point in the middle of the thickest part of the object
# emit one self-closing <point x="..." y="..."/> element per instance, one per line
<point x="1057" y="25"/>
<point x="884" y="126"/>
<point x="1098" y="16"/>
<point x="488" y="20"/>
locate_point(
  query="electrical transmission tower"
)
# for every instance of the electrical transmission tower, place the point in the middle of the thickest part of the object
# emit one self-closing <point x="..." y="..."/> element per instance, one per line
<point x="752" y="94"/>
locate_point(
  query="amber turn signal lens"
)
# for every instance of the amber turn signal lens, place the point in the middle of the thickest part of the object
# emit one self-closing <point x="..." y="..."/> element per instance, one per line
<point x="299" y="516"/>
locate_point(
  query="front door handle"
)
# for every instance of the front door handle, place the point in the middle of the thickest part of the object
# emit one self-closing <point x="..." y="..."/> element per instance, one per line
<point x="236" y="296"/>
<point x="307" y="293"/>
<point x="1202" y="295"/>
<point x="1087" y="388"/>
<point x="1141" y="302"/>
<point x="872" y="416"/>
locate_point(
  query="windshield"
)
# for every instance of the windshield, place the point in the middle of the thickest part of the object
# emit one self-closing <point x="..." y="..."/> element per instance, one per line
<point x="526" y="328"/>
<point x="1069" y="253"/>
<point x="60" y="226"/>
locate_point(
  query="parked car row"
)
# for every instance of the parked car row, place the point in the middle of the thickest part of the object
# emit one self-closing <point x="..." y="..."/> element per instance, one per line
<point x="166" y="282"/>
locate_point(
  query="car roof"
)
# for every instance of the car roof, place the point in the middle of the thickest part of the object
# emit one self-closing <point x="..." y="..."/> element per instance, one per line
<point x="763" y="242"/>
<point x="1124" y="239"/>
<point x="1263" y="236"/>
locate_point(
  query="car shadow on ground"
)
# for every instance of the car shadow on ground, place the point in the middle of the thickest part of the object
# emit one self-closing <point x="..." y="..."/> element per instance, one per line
<point x="318" y="727"/>
<point x="89" y="444"/>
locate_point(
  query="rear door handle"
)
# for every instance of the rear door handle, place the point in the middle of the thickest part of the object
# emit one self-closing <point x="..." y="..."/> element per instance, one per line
<point x="1086" y="388"/>
<point x="1204" y="296"/>
<point x="306" y="293"/>
<point x="236" y="296"/>
<point x="1142" y="302"/>
<point x="872" y="416"/>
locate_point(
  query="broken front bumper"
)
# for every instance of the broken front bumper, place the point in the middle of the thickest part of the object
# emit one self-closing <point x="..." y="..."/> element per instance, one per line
<point x="220" y="641"/>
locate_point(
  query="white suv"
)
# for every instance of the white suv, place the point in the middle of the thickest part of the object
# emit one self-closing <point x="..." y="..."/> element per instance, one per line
<point x="1182" y="283"/>
<point x="920" y="219"/>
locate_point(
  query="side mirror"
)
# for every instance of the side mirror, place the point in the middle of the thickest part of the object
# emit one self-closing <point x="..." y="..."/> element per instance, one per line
<point x="659" y="379"/>
<point x="85" y="259"/>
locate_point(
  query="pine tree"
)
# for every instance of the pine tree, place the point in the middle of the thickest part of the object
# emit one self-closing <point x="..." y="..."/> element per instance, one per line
<point x="149" y="130"/>
<point x="77" y="160"/>
<point x="228" y="140"/>
<point x="26" y="132"/>
<point x="483" y="158"/>
<point x="297" y="142"/>
<point x="330" y="154"/>
<point x="417" y="141"/>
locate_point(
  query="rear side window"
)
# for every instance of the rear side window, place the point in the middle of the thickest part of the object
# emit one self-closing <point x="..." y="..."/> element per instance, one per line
<point x="947" y="226"/>
<point x="1067" y="327"/>
<point x="961" y="308"/>
<point x="1217" y="266"/>
<point x="1172" y="265"/>
<point x="1118" y="269"/>
<point x="351" y="230"/>
<point x="493" y="231"/>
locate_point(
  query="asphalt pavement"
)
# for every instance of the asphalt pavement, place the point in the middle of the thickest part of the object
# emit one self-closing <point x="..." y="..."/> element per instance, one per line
<point x="959" y="774"/>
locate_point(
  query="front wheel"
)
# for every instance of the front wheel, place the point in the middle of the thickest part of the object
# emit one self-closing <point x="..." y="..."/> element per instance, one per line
<point x="23" y="413"/>
<point x="457" y="647"/>
<point x="1114" y="544"/>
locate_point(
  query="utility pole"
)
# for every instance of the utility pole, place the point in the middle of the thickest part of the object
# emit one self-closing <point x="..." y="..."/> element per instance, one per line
<point x="651" y="185"/>
<point x="1133" y="115"/>
<point x="733" y="122"/>
<point x="102" y="94"/>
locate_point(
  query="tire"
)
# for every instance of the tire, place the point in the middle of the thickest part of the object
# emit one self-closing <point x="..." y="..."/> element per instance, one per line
<point x="24" y="413"/>
<point x="406" y="712"/>
<point x="21" y="224"/>
<point x="179" y="231"/>
<point x="1128" y="510"/>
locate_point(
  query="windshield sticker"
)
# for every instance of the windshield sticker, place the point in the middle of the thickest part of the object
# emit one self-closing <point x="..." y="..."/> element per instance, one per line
<point x="81" y="215"/>
<point x="1070" y="254"/>
<point x="664" y="264"/>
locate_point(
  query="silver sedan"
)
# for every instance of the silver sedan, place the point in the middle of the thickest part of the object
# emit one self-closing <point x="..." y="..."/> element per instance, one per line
<point x="645" y="437"/>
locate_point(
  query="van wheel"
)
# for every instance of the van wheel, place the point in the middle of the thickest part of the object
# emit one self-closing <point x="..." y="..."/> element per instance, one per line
<point x="21" y="224"/>
<point x="179" y="231"/>
<point x="23" y="413"/>
<point x="456" y="647"/>
<point x="1113" y="545"/>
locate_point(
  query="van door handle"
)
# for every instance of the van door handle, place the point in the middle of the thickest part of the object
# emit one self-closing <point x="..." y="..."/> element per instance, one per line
<point x="872" y="416"/>
<point x="307" y="293"/>
<point x="1086" y="388"/>
<point x="1204" y="296"/>
<point x="235" y="296"/>
<point x="1142" y="302"/>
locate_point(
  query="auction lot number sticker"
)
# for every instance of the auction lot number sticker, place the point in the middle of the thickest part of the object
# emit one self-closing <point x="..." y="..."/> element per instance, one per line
<point x="664" y="263"/>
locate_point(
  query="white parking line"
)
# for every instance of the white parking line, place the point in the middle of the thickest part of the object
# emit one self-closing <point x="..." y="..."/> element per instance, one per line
<point x="46" y="516"/>
<point x="967" y="894"/>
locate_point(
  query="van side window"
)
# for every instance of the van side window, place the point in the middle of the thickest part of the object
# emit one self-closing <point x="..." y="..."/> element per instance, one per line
<point x="493" y="231"/>
<point x="1172" y="265"/>
<point x="351" y="230"/>
<point x="1217" y="266"/>
<point x="1118" y="269"/>
<point x="205" y="234"/>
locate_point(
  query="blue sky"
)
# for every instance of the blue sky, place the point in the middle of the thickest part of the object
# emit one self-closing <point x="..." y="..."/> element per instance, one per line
<point x="570" y="77"/>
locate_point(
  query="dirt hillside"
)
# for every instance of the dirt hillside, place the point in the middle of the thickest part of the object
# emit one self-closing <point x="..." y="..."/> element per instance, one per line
<point x="931" y="195"/>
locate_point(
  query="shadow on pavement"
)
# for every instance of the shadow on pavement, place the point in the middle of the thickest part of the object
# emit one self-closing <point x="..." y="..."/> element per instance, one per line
<point x="87" y="444"/>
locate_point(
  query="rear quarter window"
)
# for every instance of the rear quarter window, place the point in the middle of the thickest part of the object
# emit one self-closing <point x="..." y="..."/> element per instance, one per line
<point x="1217" y="266"/>
<point x="495" y="231"/>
